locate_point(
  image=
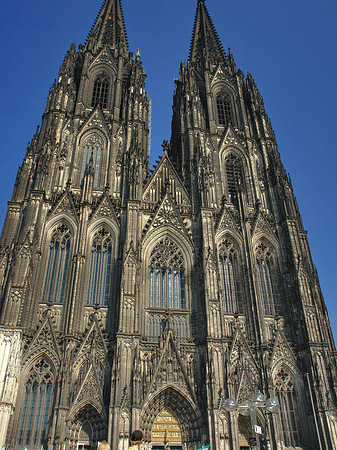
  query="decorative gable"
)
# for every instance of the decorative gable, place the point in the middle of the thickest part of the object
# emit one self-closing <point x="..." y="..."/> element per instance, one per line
<point x="166" y="178"/>
<point x="93" y="343"/>
<point x="227" y="221"/>
<point x="96" y="120"/>
<point x="167" y="214"/>
<point x="241" y="359"/>
<point x="44" y="342"/>
<point x="104" y="58"/>
<point x="282" y="352"/>
<point x="220" y="75"/>
<point x="90" y="391"/>
<point x="261" y="224"/>
<point x="230" y="138"/>
<point x="170" y="368"/>
<point x="104" y="209"/>
<point x="66" y="205"/>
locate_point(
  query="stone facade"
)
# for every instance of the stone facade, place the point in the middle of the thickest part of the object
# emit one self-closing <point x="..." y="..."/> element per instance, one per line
<point x="131" y="299"/>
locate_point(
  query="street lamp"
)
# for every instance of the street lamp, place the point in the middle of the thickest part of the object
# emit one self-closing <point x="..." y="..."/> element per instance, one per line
<point x="248" y="408"/>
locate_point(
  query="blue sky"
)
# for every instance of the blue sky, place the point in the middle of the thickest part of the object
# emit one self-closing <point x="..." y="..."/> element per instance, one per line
<point x="288" y="46"/>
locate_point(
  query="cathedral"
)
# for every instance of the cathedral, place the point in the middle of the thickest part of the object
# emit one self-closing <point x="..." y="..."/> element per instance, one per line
<point x="159" y="300"/>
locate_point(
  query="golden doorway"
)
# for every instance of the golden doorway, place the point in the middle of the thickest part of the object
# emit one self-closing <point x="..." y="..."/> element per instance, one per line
<point x="166" y="431"/>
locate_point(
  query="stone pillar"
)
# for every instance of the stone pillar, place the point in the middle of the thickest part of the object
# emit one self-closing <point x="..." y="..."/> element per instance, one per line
<point x="10" y="362"/>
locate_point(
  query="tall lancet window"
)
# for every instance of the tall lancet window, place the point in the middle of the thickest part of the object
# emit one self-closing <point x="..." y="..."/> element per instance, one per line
<point x="166" y="276"/>
<point x="234" y="176"/>
<point x="58" y="260"/>
<point x="223" y="104"/>
<point x="36" y="405"/>
<point x="100" y="91"/>
<point x="229" y="276"/>
<point x="100" y="268"/>
<point x="93" y="147"/>
<point x="267" y="277"/>
<point x="285" y="391"/>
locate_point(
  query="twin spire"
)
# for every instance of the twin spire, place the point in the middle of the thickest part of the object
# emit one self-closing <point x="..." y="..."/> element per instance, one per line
<point x="205" y="40"/>
<point x="109" y="29"/>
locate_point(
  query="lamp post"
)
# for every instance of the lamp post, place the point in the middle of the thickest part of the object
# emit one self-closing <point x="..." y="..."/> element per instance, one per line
<point x="248" y="408"/>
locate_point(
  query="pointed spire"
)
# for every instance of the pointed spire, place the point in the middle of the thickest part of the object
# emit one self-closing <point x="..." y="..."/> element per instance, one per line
<point x="109" y="28"/>
<point x="205" y="42"/>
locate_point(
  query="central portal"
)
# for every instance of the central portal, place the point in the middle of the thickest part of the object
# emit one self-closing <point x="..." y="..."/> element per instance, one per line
<point x="166" y="431"/>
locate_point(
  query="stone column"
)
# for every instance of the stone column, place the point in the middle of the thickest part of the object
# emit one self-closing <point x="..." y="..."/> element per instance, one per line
<point x="10" y="361"/>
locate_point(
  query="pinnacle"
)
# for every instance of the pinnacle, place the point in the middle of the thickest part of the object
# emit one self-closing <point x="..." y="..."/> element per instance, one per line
<point x="109" y="27"/>
<point x="205" y="40"/>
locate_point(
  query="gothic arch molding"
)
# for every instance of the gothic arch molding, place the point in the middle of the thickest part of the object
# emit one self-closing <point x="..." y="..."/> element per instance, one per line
<point x="290" y="367"/>
<point x="37" y="350"/>
<point x="109" y="225"/>
<point x="90" y="414"/>
<point x="60" y="219"/>
<point x="246" y="168"/>
<point x="267" y="238"/>
<point x="33" y="358"/>
<point x="230" y="234"/>
<point x="225" y="149"/>
<point x="187" y="414"/>
<point x="90" y="130"/>
<point x="179" y="239"/>
<point x="86" y="132"/>
<point x="99" y="65"/>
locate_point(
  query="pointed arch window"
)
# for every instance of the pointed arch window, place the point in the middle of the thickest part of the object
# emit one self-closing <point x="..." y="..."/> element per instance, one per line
<point x="223" y="104"/>
<point x="234" y="176"/>
<point x="100" y="268"/>
<point x="228" y="259"/>
<point x="167" y="276"/>
<point x="58" y="260"/>
<point x="100" y="91"/>
<point x="285" y="391"/>
<point x="93" y="147"/>
<point x="37" y="404"/>
<point x="267" y="277"/>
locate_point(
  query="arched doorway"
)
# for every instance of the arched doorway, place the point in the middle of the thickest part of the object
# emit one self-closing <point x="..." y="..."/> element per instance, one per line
<point x="181" y="408"/>
<point x="166" y="432"/>
<point x="87" y="427"/>
<point x="85" y="437"/>
<point x="244" y="431"/>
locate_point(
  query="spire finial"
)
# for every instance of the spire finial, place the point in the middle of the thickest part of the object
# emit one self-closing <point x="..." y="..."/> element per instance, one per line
<point x="165" y="145"/>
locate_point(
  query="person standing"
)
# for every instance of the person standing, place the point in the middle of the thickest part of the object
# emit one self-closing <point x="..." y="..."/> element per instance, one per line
<point x="136" y="439"/>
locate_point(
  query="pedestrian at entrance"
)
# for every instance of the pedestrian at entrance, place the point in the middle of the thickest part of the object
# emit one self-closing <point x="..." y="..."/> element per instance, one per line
<point x="136" y="439"/>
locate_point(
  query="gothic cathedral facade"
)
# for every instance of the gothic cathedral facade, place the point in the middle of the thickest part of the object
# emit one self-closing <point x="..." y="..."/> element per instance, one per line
<point x="132" y="299"/>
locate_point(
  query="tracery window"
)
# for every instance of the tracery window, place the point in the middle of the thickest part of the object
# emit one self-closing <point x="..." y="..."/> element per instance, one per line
<point x="100" y="91"/>
<point x="166" y="276"/>
<point x="228" y="259"/>
<point x="223" y="104"/>
<point x="267" y="277"/>
<point x="234" y="175"/>
<point x="37" y="404"/>
<point x="158" y="322"/>
<point x="92" y="149"/>
<point x="56" y="275"/>
<point x="100" y="268"/>
<point x="284" y="389"/>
